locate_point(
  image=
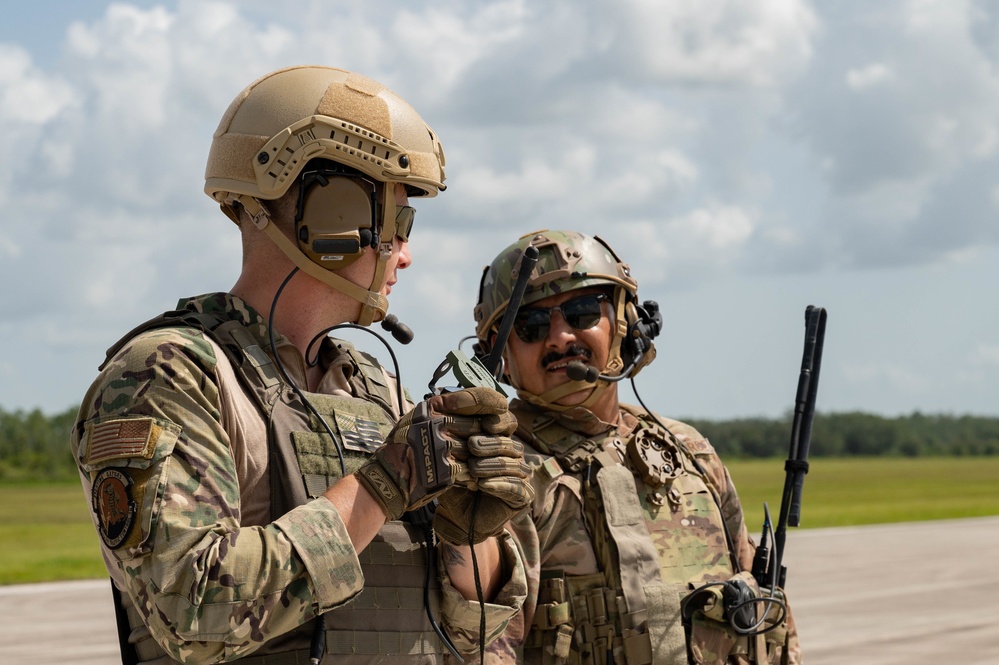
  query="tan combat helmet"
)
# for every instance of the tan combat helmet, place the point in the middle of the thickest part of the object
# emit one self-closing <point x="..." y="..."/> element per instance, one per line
<point x="292" y="116"/>
<point x="568" y="260"/>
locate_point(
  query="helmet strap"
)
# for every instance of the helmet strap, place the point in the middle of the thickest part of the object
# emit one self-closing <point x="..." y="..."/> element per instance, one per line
<point x="386" y="241"/>
<point x="374" y="305"/>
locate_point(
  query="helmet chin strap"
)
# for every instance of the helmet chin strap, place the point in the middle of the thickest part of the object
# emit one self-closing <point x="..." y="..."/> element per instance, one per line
<point x="374" y="305"/>
<point x="386" y="243"/>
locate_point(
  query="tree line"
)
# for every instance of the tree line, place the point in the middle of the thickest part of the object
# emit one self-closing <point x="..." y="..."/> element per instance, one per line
<point x="857" y="434"/>
<point x="35" y="446"/>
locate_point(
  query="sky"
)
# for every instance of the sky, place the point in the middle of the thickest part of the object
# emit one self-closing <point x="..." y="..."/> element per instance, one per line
<point x="746" y="159"/>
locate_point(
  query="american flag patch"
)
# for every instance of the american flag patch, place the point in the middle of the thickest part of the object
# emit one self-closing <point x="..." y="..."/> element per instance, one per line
<point x="359" y="434"/>
<point x="120" y="439"/>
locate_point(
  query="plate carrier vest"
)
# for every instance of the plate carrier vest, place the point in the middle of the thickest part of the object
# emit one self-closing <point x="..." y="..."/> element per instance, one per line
<point x="386" y="622"/>
<point x="658" y="533"/>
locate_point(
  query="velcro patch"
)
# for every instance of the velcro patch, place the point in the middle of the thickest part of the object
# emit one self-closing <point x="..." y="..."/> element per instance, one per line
<point x="114" y="505"/>
<point x="121" y="438"/>
<point x="551" y="468"/>
<point x="696" y="446"/>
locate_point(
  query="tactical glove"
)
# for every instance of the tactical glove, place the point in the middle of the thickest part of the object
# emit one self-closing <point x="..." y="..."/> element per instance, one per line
<point x="495" y="489"/>
<point x="415" y="464"/>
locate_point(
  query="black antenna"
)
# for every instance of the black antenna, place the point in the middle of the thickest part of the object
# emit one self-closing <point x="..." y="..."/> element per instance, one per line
<point x="527" y="263"/>
<point x="801" y="435"/>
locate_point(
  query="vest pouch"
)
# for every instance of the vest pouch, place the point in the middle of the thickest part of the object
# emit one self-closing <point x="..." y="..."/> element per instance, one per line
<point x="776" y="639"/>
<point x="714" y="642"/>
<point x="711" y="637"/>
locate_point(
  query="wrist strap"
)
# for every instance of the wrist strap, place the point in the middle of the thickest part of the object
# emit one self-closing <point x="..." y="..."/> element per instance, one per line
<point x="380" y="485"/>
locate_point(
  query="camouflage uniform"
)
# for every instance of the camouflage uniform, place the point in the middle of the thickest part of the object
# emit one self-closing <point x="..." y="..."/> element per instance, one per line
<point x="177" y="460"/>
<point x="582" y="610"/>
<point x="589" y="610"/>
<point x="636" y="526"/>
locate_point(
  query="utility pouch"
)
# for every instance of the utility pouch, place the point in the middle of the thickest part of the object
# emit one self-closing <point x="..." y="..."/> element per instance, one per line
<point x="553" y="628"/>
<point x="710" y="611"/>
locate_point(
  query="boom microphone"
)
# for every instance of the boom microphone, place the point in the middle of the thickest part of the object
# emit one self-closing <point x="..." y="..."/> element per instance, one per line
<point x="578" y="371"/>
<point x="400" y="331"/>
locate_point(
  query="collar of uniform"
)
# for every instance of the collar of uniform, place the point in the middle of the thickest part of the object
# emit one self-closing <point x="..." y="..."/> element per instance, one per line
<point x="626" y="423"/>
<point x="231" y="307"/>
<point x="577" y="419"/>
<point x="338" y="368"/>
<point x="235" y="308"/>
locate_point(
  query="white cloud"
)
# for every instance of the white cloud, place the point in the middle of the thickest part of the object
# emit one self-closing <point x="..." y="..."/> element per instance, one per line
<point x="695" y="245"/>
<point x="985" y="354"/>
<point x="9" y="248"/>
<point x="27" y="95"/>
<point x="868" y="76"/>
<point x="887" y="376"/>
<point x="715" y="228"/>
<point x="713" y="41"/>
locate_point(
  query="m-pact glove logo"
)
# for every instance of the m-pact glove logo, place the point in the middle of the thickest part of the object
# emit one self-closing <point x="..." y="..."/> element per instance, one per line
<point x="428" y="456"/>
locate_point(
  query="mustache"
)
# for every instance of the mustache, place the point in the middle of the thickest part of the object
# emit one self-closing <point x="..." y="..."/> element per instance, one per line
<point x="573" y="351"/>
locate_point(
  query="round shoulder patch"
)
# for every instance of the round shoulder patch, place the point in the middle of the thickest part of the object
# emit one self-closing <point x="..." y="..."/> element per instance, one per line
<point x="112" y="502"/>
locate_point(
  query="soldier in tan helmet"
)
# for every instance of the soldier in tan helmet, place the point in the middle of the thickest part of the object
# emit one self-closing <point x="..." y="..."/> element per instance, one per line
<point x="636" y="540"/>
<point x="257" y="495"/>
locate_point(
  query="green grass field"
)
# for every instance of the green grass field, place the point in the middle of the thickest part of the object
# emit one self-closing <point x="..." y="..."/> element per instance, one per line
<point x="46" y="534"/>
<point x="847" y="492"/>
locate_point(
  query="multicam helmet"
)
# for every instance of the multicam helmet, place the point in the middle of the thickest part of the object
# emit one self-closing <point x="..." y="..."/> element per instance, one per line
<point x="567" y="261"/>
<point x="286" y="119"/>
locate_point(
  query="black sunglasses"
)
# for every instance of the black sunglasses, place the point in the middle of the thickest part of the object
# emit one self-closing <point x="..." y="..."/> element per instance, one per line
<point x="581" y="313"/>
<point x="404" y="222"/>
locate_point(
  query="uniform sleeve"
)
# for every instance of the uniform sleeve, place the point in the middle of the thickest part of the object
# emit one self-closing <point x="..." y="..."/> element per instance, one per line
<point x="165" y="497"/>
<point x="462" y="616"/>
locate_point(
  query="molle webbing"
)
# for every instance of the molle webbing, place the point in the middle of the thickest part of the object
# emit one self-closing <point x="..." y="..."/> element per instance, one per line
<point x="395" y="569"/>
<point x="388" y="615"/>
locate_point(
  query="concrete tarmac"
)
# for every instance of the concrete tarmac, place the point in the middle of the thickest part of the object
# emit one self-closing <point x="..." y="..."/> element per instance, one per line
<point x="914" y="593"/>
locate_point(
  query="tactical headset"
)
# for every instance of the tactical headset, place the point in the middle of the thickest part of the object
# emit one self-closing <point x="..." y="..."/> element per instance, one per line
<point x="338" y="213"/>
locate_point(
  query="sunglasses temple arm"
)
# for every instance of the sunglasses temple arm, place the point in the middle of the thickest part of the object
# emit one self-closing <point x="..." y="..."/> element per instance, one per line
<point x="530" y="258"/>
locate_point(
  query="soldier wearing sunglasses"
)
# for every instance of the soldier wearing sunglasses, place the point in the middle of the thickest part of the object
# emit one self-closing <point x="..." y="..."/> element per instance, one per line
<point x="637" y="547"/>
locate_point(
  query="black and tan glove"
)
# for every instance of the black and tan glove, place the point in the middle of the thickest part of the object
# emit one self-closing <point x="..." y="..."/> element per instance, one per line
<point x="493" y="488"/>
<point x="415" y="463"/>
<point x="498" y="489"/>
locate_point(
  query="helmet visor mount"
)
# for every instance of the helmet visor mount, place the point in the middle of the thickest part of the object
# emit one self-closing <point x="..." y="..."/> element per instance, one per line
<point x="287" y="152"/>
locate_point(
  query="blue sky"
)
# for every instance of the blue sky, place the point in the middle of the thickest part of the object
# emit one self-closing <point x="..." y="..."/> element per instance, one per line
<point x="747" y="160"/>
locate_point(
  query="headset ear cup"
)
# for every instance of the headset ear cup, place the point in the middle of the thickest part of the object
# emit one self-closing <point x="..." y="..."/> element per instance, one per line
<point x="335" y="222"/>
<point x="647" y="324"/>
<point x="630" y="344"/>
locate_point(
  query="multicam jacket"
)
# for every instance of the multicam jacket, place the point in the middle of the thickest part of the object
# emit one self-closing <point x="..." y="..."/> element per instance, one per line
<point x="627" y="521"/>
<point x="217" y="547"/>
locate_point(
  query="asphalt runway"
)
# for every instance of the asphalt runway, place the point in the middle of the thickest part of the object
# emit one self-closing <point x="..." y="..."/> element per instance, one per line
<point x="922" y="592"/>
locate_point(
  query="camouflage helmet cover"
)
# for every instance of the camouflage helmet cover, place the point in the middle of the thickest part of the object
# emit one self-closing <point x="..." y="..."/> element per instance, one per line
<point x="290" y="116"/>
<point x="568" y="260"/>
